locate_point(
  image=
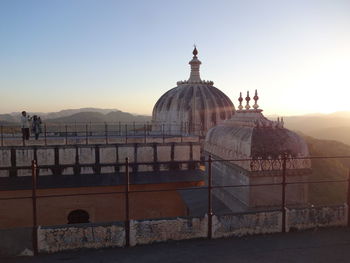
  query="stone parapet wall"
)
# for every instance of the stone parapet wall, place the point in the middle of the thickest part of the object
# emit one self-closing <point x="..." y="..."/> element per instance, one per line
<point x="247" y="224"/>
<point x="149" y="231"/>
<point x="61" y="140"/>
<point x="98" y="158"/>
<point x="305" y="218"/>
<point x="68" y="237"/>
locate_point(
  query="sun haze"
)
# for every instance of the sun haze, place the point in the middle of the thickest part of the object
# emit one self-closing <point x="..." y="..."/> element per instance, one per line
<point x="112" y="54"/>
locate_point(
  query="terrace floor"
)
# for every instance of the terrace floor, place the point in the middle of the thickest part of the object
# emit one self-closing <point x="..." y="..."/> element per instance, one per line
<point x="322" y="245"/>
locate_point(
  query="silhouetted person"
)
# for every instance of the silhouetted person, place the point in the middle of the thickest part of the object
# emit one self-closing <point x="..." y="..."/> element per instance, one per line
<point x="36" y="126"/>
<point x="25" y="125"/>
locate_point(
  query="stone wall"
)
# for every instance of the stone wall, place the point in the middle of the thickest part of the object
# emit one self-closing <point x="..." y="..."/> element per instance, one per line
<point x="149" y="231"/>
<point x="97" y="159"/>
<point x="247" y="224"/>
<point x="67" y="237"/>
<point x="306" y="218"/>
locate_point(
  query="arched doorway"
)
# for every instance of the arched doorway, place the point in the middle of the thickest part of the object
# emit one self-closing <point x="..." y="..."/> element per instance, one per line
<point x="78" y="216"/>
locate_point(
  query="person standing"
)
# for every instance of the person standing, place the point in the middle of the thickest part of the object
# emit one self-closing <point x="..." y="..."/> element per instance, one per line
<point x="25" y="125"/>
<point x="36" y="126"/>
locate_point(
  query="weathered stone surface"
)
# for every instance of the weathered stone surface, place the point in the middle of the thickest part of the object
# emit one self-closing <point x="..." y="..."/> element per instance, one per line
<point x="164" y="153"/>
<point x="107" y="169"/>
<point x="312" y="217"/>
<point x="86" y="170"/>
<point x="45" y="171"/>
<point x="68" y="237"/>
<point x="86" y="155"/>
<point x="24" y="157"/>
<point x="5" y="158"/>
<point x="4" y="173"/>
<point x="67" y="155"/>
<point x="67" y="171"/>
<point x="149" y="231"/>
<point x="182" y="153"/>
<point x="108" y="154"/>
<point x="24" y="172"/>
<point x="247" y="224"/>
<point x="145" y="154"/>
<point x="63" y="238"/>
<point x="124" y="152"/>
<point x="46" y="156"/>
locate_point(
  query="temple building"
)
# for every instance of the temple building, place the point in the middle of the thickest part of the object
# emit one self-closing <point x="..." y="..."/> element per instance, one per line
<point x="85" y="177"/>
<point x="193" y="107"/>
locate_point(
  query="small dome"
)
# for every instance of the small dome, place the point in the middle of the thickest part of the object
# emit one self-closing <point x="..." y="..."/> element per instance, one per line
<point x="248" y="134"/>
<point x="194" y="105"/>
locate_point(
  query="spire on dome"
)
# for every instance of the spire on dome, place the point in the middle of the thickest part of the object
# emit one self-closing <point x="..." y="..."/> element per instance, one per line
<point x="195" y="64"/>
<point x="255" y="98"/>
<point x="195" y="51"/>
<point x="240" y="99"/>
<point x="247" y="106"/>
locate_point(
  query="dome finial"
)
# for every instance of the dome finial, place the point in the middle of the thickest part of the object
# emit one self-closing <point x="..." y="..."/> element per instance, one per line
<point x="247" y="106"/>
<point x="195" y="51"/>
<point x="240" y="99"/>
<point x="256" y="97"/>
<point x="195" y="64"/>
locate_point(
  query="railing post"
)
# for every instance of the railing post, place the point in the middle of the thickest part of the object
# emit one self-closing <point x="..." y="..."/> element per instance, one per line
<point x="134" y="127"/>
<point x="126" y="133"/>
<point x="76" y="129"/>
<point x="2" y="135"/>
<point x="120" y="129"/>
<point x="35" y="225"/>
<point x="144" y="132"/>
<point x="210" y="209"/>
<point x="106" y="132"/>
<point x="66" y="134"/>
<point x="86" y="134"/>
<point x="284" y="165"/>
<point x="348" y="198"/>
<point x="127" y="210"/>
<point x="45" y="134"/>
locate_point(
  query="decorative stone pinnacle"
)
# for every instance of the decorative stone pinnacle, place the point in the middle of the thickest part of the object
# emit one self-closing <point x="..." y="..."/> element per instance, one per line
<point x="247" y="106"/>
<point x="195" y="64"/>
<point x="195" y="51"/>
<point x="256" y="97"/>
<point x="240" y="99"/>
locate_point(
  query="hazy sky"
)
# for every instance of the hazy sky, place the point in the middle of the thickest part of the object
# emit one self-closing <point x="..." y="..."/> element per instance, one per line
<point x="59" y="54"/>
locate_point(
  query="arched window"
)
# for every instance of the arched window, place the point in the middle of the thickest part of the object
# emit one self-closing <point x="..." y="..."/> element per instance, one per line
<point x="78" y="216"/>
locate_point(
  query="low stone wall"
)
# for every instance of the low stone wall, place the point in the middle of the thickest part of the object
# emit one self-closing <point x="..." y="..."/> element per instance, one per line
<point x="69" y="237"/>
<point x="149" y="231"/>
<point x="98" y="159"/>
<point x="247" y="224"/>
<point x="306" y="218"/>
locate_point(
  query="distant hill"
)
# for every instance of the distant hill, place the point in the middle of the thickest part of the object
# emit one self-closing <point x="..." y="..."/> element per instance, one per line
<point x="7" y="119"/>
<point x="328" y="169"/>
<point x="78" y="115"/>
<point x="334" y="126"/>
<point x="114" y="116"/>
<point x="341" y="134"/>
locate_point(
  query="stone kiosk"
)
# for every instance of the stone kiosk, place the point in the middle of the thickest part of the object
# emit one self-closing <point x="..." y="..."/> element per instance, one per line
<point x="250" y="135"/>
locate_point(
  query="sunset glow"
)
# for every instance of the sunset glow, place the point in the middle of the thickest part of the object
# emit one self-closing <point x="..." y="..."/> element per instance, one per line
<point x="126" y="55"/>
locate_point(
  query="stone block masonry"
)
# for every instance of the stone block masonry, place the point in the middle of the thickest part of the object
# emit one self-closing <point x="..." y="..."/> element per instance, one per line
<point x="97" y="159"/>
<point x="68" y="237"/>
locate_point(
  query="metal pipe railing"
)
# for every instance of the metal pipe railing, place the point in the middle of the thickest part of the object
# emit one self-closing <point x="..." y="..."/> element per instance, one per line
<point x="284" y="184"/>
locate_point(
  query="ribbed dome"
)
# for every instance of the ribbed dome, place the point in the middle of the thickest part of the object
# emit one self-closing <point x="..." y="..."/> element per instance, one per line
<point x="248" y="134"/>
<point x="193" y="105"/>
